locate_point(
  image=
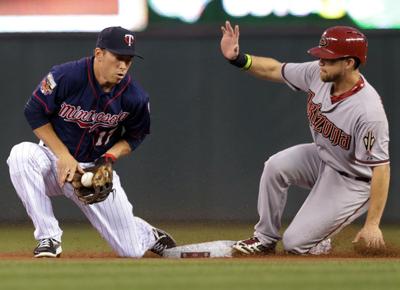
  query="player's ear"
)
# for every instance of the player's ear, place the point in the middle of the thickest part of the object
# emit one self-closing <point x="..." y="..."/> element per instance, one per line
<point x="350" y="63"/>
<point x="98" y="53"/>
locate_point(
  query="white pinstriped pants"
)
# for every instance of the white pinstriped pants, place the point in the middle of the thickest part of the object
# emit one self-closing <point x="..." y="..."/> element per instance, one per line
<point x="33" y="174"/>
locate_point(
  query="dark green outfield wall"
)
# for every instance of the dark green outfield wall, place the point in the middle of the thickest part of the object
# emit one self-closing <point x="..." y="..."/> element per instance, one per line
<point x="212" y="125"/>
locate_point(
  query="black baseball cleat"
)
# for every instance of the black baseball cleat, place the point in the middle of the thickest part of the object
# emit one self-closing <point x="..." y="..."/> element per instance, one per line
<point x="163" y="241"/>
<point x="253" y="246"/>
<point x="47" y="248"/>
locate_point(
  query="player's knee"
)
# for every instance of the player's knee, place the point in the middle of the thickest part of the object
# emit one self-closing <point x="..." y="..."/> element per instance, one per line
<point x="271" y="165"/>
<point x="293" y="244"/>
<point x="131" y="253"/>
<point x="20" y="151"/>
<point x="275" y="167"/>
<point x="21" y="154"/>
<point x="129" y="249"/>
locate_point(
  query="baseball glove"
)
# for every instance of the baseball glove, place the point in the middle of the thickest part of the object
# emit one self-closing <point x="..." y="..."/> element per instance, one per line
<point x="102" y="184"/>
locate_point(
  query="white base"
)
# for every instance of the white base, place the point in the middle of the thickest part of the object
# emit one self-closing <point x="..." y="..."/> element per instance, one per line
<point x="215" y="249"/>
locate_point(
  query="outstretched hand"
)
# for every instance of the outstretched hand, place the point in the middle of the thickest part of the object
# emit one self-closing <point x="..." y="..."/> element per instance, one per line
<point x="230" y="41"/>
<point x="372" y="237"/>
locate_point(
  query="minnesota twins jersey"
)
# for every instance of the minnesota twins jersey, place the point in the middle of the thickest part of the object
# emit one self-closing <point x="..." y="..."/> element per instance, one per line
<point x="86" y="119"/>
<point x="350" y="131"/>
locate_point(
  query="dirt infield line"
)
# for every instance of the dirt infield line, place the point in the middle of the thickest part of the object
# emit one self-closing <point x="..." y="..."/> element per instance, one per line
<point x="277" y="257"/>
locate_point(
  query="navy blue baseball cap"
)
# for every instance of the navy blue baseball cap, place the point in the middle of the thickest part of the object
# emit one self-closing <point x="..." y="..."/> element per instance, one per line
<point x="118" y="40"/>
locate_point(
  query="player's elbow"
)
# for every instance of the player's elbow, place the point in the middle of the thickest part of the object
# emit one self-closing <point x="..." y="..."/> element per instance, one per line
<point x="273" y="71"/>
<point x="276" y="75"/>
<point x="30" y="112"/>
<point x="34" y="116"/>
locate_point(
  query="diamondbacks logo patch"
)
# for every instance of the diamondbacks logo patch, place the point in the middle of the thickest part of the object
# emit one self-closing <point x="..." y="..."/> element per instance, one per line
<point x="323" y="42"/>
<point x="47" y="85"/>
<point x="369" y="141"/>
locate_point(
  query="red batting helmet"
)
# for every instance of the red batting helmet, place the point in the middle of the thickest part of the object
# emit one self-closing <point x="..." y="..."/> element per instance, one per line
<point x="341" y="41"/>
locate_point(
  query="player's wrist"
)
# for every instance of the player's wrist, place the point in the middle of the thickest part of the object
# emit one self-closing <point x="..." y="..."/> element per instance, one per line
<point x="243" y="61"/>
<point x="110" y="157"/>
<point x="371" y="225"/>
<point x="107" y="158"/>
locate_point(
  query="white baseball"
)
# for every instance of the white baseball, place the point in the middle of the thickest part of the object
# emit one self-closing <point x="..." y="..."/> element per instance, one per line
<point x="86" y="179"/>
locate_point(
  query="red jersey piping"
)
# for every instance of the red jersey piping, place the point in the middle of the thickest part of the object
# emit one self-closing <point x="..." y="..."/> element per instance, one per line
<point x="356" y="88"/>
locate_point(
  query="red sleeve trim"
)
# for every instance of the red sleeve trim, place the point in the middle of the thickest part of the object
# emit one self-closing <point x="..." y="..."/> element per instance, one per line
<point x="283" y="75"/>
<point x="42" y="102"/>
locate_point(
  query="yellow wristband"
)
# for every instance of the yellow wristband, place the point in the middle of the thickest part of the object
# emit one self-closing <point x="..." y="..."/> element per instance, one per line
<point x="249" y="62"/>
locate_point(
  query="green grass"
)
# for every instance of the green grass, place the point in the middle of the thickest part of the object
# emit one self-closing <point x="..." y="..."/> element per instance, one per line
<point x="195" y="274"/>
<point x="230" y="274"/>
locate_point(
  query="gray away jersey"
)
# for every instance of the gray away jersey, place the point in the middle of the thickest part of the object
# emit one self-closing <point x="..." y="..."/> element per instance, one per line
<point x="352" y="134"/>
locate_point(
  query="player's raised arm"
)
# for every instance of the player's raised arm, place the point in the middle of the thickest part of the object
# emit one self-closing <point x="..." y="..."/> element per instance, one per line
<point x="262" y="67"/>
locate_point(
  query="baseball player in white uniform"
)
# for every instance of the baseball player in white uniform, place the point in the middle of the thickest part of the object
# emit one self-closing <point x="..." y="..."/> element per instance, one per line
<point x="85" y="111"/>
<point x="346" y="168"/>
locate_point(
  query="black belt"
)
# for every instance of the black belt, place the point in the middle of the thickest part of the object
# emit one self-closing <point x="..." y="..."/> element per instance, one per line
<point x="365" y="179"/>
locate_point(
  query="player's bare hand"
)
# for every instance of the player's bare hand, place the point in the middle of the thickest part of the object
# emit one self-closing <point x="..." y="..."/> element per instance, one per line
<point x="66" y="168"/>
<point x="230" y="41"/>
<point x="372" y="236"/>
